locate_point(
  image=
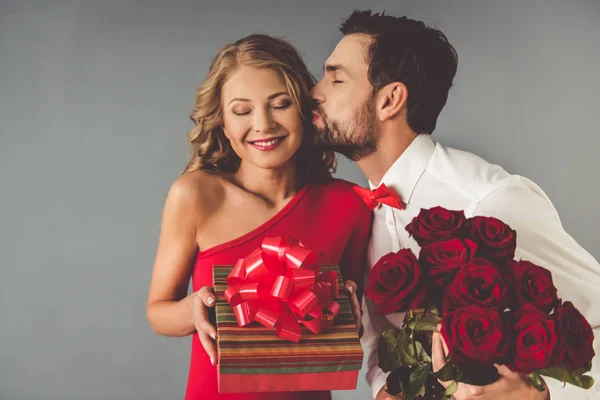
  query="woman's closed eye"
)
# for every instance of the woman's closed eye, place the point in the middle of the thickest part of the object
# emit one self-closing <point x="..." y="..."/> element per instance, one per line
<point x="241" y="111"/>
<point x="282" y="105"/>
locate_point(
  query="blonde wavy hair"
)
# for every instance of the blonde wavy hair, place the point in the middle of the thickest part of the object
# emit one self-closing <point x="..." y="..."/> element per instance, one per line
<point x="211" y="150"/>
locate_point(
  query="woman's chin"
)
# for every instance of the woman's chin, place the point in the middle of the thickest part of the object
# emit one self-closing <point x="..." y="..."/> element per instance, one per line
<point x="275" y="162"/>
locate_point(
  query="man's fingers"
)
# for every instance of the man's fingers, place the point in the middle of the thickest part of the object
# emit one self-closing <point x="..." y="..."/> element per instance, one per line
<point x="438" y="356"/>
<point x="444" y="345"/>
<point x="207" y="295"/>
<point x="476" y="391"/>
<point x="503" y="370"/>
<point x="209" y="346"/>
<point x="439" y="351"/>
<point x="384" y="395"/>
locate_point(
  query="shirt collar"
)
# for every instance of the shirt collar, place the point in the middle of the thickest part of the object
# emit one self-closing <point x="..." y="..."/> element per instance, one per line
<point x="405" y="172"/>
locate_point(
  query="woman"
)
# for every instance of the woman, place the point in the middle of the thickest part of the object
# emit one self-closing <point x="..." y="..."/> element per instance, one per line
<point x="253" y="174"/>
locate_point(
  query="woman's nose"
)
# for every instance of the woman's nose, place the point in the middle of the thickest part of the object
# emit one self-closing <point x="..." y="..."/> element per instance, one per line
<point x="264" y="122"/>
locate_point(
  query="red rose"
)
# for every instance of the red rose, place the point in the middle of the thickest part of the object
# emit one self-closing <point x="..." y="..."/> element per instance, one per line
<point x="576" y="337"/>
<point x="395" y="283"/>
<point x="493" y="237"/>
<point x="479" y="283"/>
<point x="477" y="334"/>
<point x="444" y="259"/>
<point x="535" y="340"/>
<point x="436" y="224"/>
<point x="533" y="284"/>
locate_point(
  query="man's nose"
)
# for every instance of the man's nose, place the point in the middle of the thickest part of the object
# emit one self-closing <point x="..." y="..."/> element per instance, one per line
<point x="317" y="94"/>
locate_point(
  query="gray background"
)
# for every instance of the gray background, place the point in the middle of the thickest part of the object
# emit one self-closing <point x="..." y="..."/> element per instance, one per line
<point x="94" y="105"/>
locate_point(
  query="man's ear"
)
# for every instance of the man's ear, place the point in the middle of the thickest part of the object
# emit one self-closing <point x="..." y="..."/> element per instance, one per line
<point x="391" y="99"/>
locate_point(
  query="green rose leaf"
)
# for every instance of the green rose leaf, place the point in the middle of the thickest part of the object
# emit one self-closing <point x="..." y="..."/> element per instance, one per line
<point x="564" y="375"/>
<point x="448" y="372"/>
<point x="417" y="380"/>
<point x="537" y="381"/>
<point x="427" y="323"/>
<point x="388" y="351"/>
<point x="450" y="390"/>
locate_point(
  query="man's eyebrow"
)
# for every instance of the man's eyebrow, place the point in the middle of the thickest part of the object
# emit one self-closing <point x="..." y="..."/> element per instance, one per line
<point x="334" y="68"/>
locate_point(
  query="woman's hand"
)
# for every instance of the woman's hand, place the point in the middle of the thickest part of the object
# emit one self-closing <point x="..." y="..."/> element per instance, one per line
<point x="203" y="303"/>
<point x="350" y="290"/>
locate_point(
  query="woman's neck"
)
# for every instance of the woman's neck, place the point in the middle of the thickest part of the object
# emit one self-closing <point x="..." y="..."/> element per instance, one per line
<point x="275" y="186"/>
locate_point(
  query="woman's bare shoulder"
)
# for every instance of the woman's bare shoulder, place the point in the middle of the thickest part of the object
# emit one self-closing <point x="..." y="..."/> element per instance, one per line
<point x="199" y="190"/>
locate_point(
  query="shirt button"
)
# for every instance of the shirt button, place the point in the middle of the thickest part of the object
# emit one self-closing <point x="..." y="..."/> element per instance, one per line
<point x="390" y="222"/>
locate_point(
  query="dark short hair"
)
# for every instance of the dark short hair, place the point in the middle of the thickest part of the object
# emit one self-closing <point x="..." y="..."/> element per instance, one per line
<point x="408" y="51"/>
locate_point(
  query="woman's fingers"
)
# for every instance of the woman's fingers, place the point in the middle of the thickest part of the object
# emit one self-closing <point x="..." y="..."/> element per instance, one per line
<point x="209" y="346"/>
<point x="203" y="301"/>
<point x="350" y="290"/>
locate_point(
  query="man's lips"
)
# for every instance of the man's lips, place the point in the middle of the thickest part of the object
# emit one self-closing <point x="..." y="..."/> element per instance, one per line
<point x="315" y="116"/>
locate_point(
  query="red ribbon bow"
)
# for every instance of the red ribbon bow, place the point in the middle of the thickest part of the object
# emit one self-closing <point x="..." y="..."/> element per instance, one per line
<point x="280" y="285"/>
<point x="382" y="194"/>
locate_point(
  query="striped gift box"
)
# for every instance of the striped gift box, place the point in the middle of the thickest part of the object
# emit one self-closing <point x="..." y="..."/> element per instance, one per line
<point x="254" y="359"/>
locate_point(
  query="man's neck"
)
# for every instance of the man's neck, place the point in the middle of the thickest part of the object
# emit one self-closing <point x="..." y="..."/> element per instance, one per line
<point x="389" y="148"/>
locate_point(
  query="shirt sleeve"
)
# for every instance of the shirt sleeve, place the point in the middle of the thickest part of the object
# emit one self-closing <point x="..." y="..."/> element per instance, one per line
<point x="542" y="240"/>
<point x="373" y="326"/>
<point x="355" y="261"/>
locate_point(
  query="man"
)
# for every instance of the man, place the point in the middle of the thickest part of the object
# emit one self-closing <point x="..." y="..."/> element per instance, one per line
<point x="384" y="86"/>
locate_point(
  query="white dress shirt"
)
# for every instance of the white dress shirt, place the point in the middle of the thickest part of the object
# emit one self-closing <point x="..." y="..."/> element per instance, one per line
<point x="428" y="174"/>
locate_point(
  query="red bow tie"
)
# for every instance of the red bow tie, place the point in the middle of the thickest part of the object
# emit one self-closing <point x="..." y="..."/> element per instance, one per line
<point x="382" y="195"/>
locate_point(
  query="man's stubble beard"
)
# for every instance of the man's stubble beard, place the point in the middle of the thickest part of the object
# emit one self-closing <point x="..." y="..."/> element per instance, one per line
<point x="355" y="139"/>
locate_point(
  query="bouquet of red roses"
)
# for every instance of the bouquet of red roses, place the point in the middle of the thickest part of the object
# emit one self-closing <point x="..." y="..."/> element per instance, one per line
<point x="492" y="308"/>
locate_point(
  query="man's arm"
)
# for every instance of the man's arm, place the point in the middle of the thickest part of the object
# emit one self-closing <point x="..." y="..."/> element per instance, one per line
<point x="375" y="376"/>
<point x="373" y="326"/>
<point x="542" y="240"/>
